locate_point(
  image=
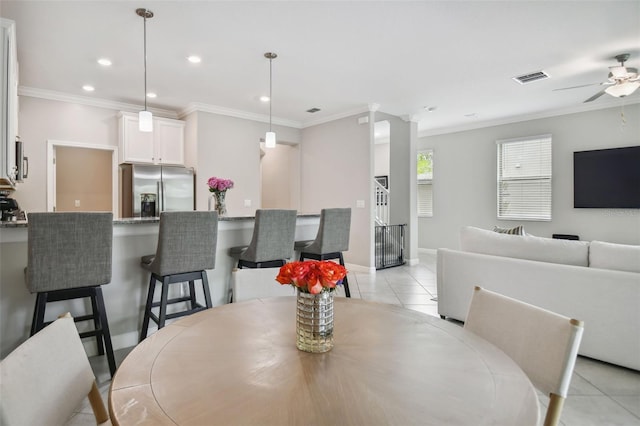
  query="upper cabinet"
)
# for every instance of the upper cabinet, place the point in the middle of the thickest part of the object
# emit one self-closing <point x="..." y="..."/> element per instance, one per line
<point x="165" y="145"/>
<point x="8" y="105"/>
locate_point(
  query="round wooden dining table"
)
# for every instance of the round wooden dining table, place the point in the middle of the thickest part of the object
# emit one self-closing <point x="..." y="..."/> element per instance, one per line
<point x="238" y="364"/>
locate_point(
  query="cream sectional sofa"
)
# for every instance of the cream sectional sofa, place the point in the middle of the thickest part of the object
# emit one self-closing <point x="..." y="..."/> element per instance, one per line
<point x="596" y="282"/>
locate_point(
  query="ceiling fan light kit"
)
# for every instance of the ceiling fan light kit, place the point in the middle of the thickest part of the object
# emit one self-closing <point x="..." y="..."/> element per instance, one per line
<point x="145" y="118"/>
<point x="622" y="80"/>
<point x="622" y="89"/>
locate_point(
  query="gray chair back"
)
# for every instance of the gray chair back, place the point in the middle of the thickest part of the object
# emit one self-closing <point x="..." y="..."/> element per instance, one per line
<point x="68" y="250"/>
<point x="187" y="242"/>
<point x="273" y="236"/>
<point x="333" y="232"/>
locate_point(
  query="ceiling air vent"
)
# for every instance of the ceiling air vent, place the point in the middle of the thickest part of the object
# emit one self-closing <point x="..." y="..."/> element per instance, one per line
<point x="312" y="110"/>
<point x="528" y="78"/>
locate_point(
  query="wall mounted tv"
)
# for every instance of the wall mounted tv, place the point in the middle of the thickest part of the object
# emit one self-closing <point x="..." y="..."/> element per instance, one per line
<point x="607" y="178"/>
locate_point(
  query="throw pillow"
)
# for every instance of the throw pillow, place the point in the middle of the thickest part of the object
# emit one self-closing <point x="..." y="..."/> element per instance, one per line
<point x="620" y="257"/>
<point x="517" y="230"/>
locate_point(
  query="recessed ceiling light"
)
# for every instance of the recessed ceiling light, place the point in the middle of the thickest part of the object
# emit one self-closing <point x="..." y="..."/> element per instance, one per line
<point x="151" y="95"/>
<point x="264" y="98"/>
<point x="104" y="62"/>
<point x="88" y="88"/>
<point x="194" y="59"/>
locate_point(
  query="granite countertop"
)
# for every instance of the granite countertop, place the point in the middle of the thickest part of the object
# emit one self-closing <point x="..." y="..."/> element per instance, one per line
<point x="145" y="220"/>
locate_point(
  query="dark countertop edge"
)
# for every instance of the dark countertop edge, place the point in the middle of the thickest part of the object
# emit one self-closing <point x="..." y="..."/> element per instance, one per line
<point x="146" y="220"/>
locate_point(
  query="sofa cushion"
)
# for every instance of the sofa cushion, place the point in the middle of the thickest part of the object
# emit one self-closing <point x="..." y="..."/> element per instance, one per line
<point x="516" y="230"/>
<point x="528" y="247"/>
<point x="620" y="257"/>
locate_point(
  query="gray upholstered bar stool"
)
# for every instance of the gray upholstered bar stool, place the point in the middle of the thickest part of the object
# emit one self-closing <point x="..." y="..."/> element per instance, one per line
<point x="272" y="241"/>
<point x="69" y="257"/>
<point x="186" y="248"/>
<point x="332" y="239"/>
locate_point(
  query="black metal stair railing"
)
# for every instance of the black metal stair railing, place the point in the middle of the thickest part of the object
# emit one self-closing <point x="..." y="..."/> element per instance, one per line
<point x="389" y="246"/>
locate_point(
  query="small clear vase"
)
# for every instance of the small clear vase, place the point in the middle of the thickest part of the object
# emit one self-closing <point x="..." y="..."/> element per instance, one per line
<point x="217" y="202"/>
<point x="314" y="321"/>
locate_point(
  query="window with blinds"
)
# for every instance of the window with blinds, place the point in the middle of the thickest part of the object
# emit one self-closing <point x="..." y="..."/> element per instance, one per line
<point x="425" y="187"/>
<point x="524" y="178"/>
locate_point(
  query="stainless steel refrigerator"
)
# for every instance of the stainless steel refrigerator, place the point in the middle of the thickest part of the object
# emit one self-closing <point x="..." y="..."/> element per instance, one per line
<point x="173" y="187"/>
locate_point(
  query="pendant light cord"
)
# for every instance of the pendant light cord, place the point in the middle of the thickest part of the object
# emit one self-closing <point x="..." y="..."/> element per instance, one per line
<point x="145" y="60"/>
<point x="270" y="91"/>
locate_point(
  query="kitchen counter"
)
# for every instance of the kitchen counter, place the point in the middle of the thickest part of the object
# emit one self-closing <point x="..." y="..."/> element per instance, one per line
<point x="138" y="220"/>
<point x="125" y="296"/>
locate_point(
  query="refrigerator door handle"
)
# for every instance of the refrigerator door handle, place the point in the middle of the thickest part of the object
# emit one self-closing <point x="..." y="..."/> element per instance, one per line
<point x="159" y="207"/>
<point x="163" y="203"/>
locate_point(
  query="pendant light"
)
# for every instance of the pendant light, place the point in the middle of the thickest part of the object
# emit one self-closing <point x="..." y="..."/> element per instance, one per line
<point x="145" y="119"/>
<point x="270" y="137"/>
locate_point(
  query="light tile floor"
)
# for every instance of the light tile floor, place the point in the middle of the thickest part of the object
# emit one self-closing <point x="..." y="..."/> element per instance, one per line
<point x="601" y="394"/>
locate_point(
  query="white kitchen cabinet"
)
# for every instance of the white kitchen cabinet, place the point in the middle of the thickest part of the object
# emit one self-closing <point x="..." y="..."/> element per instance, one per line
<point x="8" y="104"/>
<point x="165" y="145"/>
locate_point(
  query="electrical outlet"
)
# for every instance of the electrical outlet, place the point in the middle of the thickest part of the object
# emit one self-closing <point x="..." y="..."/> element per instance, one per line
<point x="247" y="203"/>
<point x="77" y="203"/>
<point x="360" y="204"/>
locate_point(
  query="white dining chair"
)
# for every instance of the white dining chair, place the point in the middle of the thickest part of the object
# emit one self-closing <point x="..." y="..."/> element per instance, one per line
<point x="544" y="344"/>
<point x="45" y="379"/>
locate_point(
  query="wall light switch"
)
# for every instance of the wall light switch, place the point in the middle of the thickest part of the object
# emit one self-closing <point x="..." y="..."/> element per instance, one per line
<point x="360" y="204"/>
<point x="77" y="203"/>
<point x="247" y="203"/>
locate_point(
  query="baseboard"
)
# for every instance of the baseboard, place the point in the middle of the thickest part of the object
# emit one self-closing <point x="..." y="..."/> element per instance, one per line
<point x="352" y="267"/>
<point x="427" y="250"/>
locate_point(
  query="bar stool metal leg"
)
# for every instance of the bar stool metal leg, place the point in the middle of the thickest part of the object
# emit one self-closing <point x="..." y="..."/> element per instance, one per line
<point x="147" y="308"/>
<point x="205" y="290"/>
<point x="104" y="326"/>
<point x="38" y="312"/>
<point x="164" y="292"/>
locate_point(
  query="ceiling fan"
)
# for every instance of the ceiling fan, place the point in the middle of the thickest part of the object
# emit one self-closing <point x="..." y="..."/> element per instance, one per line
<point x="622" y="81"/>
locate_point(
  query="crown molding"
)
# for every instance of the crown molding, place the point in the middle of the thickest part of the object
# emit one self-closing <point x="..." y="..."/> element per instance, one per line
<point x="215" y="109"/>
<point x="612" y="103"/>
<point x="90" y="101"/>
<point x="334" y="117"/>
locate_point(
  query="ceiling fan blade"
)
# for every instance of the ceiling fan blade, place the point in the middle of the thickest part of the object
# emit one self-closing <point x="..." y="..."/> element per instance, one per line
<point x="575" y="87"/>
<point x="596" y="96"/>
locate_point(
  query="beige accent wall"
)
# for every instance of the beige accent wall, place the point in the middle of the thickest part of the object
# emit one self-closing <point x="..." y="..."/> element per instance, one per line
<point x="83" y="179"/>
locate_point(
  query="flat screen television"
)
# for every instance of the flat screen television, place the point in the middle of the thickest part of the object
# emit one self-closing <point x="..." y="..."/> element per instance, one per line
<point x="607" y="178"/>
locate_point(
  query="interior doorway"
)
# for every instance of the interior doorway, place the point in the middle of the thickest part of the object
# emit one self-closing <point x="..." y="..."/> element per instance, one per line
<point x="81" y="177"/>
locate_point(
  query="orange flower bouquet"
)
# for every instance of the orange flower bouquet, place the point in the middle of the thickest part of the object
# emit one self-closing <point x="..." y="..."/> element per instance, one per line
<point x="312" y="276"/>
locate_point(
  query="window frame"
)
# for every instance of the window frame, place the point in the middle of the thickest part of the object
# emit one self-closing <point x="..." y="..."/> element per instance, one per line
<point x="420" y="182"/>
<point x="541" y="179"/>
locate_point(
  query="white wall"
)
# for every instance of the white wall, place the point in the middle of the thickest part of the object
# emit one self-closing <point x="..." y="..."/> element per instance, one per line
<point x="229" y="147"/>
<point x="215" y="145"/>
<point x="401" y="176"/>
<point x="40" y="120"/>
<point x="464" y="182"/>
<point x="337" y="170"/>
<point x="281" y="177"/>
<point x="381" y="160"/>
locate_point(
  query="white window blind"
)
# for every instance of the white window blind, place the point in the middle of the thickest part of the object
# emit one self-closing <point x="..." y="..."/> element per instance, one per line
<point x="524" y="178"/>
<point x="425" y="187"/>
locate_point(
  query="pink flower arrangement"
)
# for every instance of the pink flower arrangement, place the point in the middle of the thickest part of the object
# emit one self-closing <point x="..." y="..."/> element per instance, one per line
<point x="312" y="276"/>
<point x="218" y="184"/>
